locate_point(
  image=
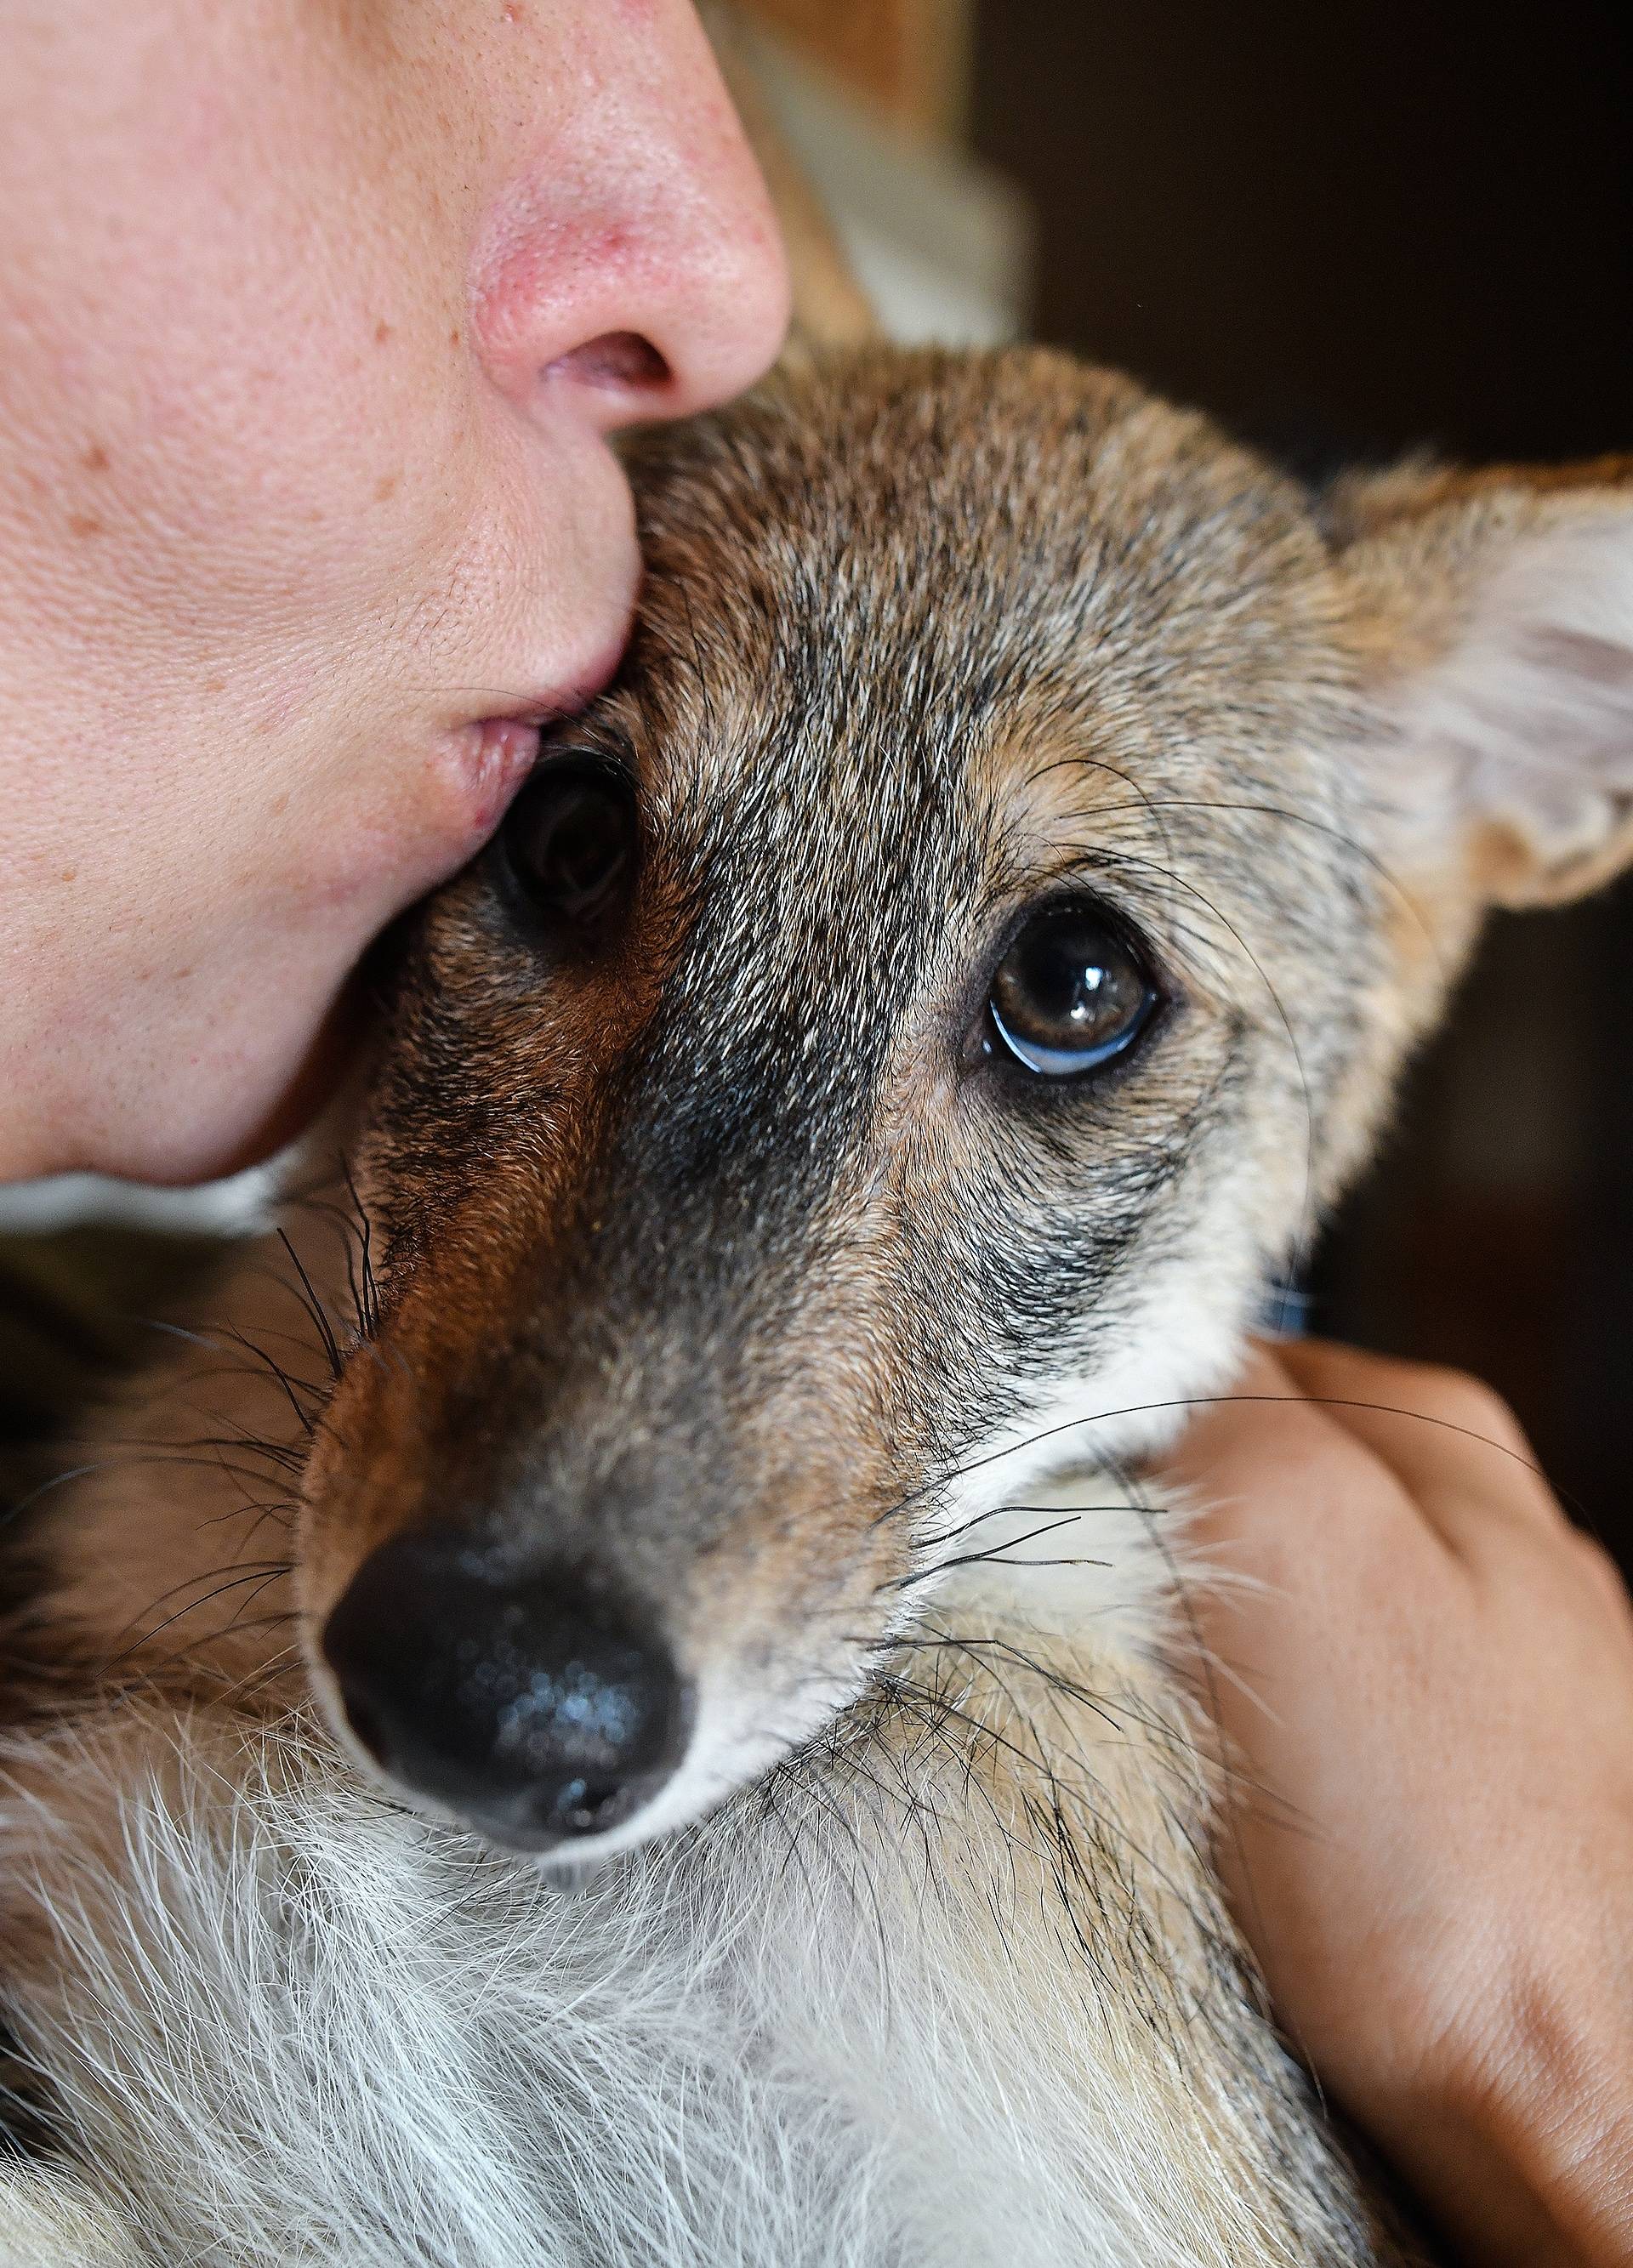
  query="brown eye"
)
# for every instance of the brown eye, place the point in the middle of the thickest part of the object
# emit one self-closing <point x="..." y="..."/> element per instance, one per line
<point x="1072" y="993"/>
<point x="569" y="840"/>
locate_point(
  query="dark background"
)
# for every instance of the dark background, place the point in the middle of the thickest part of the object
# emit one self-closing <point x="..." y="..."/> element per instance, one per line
<point x="1350" y="231"/>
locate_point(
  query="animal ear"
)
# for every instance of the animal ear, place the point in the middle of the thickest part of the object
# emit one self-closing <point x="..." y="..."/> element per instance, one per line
<point x="1496" y="614"/>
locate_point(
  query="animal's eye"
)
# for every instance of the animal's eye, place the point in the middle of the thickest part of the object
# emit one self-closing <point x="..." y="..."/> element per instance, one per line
<point x="1072" y="992"/>
<point x="569" y="839"/>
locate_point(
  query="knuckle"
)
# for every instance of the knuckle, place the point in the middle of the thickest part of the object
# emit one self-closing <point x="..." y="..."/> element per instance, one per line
<point x="1455" y="1397"/>
<point x="1597" y="1563"/>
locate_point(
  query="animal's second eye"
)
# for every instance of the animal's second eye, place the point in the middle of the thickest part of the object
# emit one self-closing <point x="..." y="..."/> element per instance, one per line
<point x="1072" y="992"/>
<point x="569" y="839"/>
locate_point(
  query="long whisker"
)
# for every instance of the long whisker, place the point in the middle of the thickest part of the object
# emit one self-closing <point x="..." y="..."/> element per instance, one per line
<point x="964" y="1527"/>
<point x="315" y="1306"/>
<point x="995" y="1557"/>
<point x="260" y="1573"/>
<point x="1359" y="851"/>
<point x="944" y="1479"/>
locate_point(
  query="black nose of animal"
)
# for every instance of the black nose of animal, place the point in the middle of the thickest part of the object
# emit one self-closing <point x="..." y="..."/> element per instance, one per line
<point x="530" y="1708"/>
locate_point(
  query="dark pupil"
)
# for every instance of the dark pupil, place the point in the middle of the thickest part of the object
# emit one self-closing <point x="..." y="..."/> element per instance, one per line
<point x="1069" y="992"/>
<point x="1067" y="985"/>
<point x="569" y="842"/>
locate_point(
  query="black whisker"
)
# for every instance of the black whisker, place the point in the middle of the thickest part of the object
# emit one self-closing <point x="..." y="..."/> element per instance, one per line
<point x="315" y="1306"/>
<point x="995" y="1557"/>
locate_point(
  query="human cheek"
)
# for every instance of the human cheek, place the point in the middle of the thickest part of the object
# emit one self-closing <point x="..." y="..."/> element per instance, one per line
<point x="501" y="602"/>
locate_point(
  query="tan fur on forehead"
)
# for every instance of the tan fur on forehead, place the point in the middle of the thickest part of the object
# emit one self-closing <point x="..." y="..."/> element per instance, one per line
<point x="1014" y="482"/>
<point x="1009" y="571"/>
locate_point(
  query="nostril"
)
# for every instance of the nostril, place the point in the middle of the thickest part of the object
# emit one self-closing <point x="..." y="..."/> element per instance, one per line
<point x="583" y="1809"/>
<point x="617" y="362"/>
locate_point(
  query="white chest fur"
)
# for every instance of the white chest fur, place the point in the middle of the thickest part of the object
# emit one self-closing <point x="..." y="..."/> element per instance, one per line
<point x="953" y="1988"/>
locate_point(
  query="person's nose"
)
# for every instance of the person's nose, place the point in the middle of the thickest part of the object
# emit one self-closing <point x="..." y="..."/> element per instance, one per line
<point x="634" y="270"/>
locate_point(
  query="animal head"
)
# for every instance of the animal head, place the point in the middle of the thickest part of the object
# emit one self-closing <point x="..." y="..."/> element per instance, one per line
<point x="904" y="1021"/>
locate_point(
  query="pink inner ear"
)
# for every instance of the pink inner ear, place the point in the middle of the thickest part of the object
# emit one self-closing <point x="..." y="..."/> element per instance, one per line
<point x="1525" y="723"/>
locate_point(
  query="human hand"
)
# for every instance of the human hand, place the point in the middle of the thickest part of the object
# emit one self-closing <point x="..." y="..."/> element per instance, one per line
<point x="1428" y="1676"/>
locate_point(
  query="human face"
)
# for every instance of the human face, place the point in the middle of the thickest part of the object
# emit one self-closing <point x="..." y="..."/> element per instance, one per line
<point x="317" y="317"/>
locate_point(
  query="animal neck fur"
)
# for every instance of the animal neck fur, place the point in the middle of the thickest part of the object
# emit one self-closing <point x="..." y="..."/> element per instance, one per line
<point x="950" y="1985"/>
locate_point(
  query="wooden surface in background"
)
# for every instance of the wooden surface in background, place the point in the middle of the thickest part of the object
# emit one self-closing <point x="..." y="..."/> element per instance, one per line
<point x="908" y="57"/>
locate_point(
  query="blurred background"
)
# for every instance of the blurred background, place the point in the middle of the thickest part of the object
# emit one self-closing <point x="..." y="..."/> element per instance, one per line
<point x="1348" y="230"/>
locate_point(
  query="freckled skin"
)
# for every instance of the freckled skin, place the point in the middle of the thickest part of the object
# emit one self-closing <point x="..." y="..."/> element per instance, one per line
<point x="267" y="480"/>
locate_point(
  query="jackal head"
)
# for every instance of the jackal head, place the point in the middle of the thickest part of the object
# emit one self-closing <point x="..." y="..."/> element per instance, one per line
<point x="898" y="1031"/>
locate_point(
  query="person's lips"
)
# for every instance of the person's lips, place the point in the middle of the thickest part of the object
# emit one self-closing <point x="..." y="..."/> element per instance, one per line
<point x="501" y="752"/>
<point x="493" y="756"/>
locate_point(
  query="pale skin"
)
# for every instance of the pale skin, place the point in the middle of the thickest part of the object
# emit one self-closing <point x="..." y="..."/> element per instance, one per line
<point x="1428" y="1685"/>
<point x="318" y="315"/>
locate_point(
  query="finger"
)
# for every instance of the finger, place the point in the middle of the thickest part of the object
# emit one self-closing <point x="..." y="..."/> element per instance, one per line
<point x="1454" y="1446"/>
<point x="1266" y="1465"/>
<point x="1242" y="1450"/>
<point x="1302" y="1537"/>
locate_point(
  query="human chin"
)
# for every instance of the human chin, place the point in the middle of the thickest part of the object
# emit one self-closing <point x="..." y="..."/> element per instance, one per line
<point x="190" y="1106"/>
